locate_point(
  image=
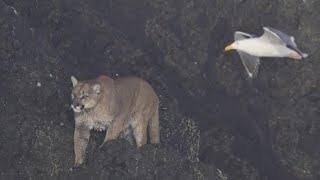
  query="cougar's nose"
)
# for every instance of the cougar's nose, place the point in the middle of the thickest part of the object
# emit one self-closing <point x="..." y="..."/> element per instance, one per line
<point x="74" y="104"/>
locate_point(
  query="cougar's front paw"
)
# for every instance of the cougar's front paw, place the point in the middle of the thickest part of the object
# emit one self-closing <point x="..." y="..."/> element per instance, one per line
<point x="101" y="146"/>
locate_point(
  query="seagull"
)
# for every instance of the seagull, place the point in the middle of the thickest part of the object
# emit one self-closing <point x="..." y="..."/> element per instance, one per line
<point x="272" y="43"/>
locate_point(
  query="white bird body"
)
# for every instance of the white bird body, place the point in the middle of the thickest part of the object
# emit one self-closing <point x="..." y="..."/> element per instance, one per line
<point x="263" y="48"/>
<point x="273" y="43"/>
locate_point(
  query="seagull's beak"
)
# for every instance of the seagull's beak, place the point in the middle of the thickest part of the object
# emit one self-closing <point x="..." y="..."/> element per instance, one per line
<point x="228" y="48"/>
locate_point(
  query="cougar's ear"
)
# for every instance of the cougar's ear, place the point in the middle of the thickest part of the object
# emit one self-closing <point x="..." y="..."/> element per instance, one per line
<point x="96" y="88"/>
<point x="74" y="81"/>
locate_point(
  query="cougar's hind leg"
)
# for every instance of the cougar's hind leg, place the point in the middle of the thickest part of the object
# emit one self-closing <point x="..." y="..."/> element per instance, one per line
<point x="154" y="128"/>
<point x="140" y="130"/>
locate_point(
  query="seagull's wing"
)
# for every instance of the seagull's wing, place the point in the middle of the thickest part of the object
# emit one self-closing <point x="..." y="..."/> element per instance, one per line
<point x="285" y="39"/>
<point x="271" y="37"/>
<point x="251" y="63"/>
<point x="288" y="40"/>
<point x="241" y="35"/>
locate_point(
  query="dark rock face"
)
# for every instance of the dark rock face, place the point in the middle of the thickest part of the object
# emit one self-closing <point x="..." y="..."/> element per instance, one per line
<point x="215" y="123"/>
<point x="120" y="160"/>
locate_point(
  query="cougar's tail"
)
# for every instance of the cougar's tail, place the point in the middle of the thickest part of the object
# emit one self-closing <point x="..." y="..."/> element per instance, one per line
<point x="154" y="129"/>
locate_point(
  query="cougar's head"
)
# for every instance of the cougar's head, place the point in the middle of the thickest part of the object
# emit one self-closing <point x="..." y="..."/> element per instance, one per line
<point x="85" y="94"/>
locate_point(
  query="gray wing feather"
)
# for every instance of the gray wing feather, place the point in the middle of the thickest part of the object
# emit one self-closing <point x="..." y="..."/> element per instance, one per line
<point x="288" y="40"/>
<point x="277" y="37"/>
<point x="284" y="38"/>
<point x="271" y="37"/>
<point x="251" y="63"/>
<point x="241" y="35"/>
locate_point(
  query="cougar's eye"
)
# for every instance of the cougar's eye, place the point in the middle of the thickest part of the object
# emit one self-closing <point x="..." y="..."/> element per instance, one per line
<point x="84" y="96"/>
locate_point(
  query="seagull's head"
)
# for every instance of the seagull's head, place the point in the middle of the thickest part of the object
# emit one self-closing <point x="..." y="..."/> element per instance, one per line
<point x="234" y="45"/>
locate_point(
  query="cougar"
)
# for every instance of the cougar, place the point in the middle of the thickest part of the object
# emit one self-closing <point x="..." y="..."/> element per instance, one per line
<point x="113" y="105"/>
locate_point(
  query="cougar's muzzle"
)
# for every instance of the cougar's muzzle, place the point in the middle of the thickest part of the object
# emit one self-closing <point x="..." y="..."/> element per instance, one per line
<point x="77" y="107"/>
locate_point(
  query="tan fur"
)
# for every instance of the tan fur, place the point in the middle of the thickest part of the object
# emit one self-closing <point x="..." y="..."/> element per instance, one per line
<point x="115" y="105"/>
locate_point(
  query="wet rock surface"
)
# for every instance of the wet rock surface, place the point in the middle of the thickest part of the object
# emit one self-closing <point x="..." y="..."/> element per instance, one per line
<point x="215" y="123"/>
